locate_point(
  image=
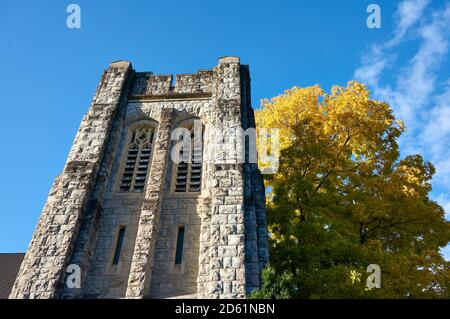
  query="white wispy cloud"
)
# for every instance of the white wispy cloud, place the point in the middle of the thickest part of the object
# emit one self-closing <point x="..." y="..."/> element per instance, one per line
<point x="437" y="126"/>
<point x="415" y="81"/>
<point x="379" y="57"/>
<point x="418" y="94"/>
<point x="408" y="14"/>
<point x="444" y="201"/>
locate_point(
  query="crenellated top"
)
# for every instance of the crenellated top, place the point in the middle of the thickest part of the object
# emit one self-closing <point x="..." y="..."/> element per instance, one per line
<point x="147" y="85"/>
<point x="195" y="83"/>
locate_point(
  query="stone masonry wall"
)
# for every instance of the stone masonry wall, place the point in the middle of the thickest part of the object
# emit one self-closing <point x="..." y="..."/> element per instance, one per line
<point x="225" y="244"/>
<point x="168" y="279"/>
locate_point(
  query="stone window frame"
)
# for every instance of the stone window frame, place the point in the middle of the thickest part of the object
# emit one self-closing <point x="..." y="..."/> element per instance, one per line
<point x="188" y="124"/>
<point x="128" y="131"/>
<point x="179" y="268"/>
<point x="118" y="246"/>
<point x="110" y="267"/>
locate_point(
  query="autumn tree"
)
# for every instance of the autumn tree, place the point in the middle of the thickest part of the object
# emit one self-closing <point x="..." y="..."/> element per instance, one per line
<point x="343" y="199"/>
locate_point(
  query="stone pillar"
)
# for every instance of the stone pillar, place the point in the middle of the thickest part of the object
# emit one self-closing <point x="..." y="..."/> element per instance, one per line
<point x="204" y="211"/>
<point x="227" y="230"/>
<point x="86" y="241"/>
<point x="143" y="256"/>
<point x="251" y="237"/>
<point x="41" y="274"/>
<point x="261" y="217"/>
<point x="252" y="271"/>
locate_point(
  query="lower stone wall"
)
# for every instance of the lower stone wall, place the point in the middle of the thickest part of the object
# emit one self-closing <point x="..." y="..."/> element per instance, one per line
<point x="104" y="279"/>
<point x="170" y="280"/>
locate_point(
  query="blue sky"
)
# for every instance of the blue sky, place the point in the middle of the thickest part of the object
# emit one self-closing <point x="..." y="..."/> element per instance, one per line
<point x="50" y="72"/>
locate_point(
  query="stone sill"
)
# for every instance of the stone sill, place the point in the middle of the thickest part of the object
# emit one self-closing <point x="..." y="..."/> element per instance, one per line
<point x="171" y="96"/>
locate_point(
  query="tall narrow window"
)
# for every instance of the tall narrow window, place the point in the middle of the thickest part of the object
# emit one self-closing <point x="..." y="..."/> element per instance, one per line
<point x="180" y="242"/>
<point x="189" y="173"/>
<point x="137" y="161"/>
<point x="119" y="243"/>
<point x="182" y="174"/>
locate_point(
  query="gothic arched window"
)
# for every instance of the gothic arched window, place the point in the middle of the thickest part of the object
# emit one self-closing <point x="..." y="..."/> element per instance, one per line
<point x="189" y="170"/>
<point x="137" y="160"/>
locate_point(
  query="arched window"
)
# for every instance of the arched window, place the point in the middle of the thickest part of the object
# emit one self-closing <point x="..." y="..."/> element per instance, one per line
<point x="137" y="160"/>
<point x="188" y="175"/>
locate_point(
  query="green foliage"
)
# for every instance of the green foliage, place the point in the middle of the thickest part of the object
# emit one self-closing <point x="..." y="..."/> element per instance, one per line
<point x="343" y="199"/>
<point x="274" y="286"/>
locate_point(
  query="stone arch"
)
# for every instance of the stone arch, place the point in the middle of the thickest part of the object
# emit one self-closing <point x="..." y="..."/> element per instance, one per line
<point x="130" y="124"/>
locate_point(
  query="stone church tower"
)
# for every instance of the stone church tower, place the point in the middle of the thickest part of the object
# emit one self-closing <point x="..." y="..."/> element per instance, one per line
<point x="123" y="220"/>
